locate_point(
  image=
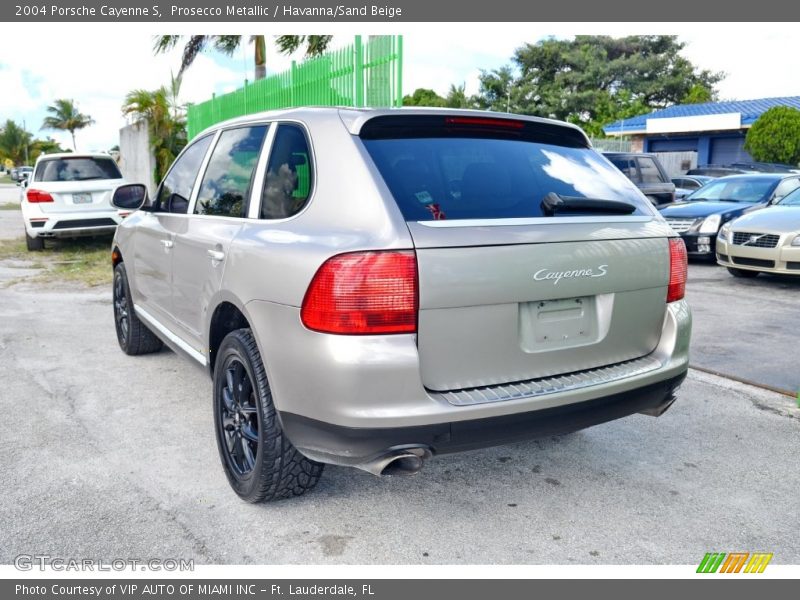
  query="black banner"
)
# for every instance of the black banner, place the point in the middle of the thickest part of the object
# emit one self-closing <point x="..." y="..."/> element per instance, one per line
<point x="732" y="588"/>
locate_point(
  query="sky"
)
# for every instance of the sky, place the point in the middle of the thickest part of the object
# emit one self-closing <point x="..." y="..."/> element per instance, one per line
<point x="97" y="65"/>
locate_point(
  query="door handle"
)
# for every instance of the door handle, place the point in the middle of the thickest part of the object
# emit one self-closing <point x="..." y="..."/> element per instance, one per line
<point x="167" y="244"/>
<point x="216" y="255"/>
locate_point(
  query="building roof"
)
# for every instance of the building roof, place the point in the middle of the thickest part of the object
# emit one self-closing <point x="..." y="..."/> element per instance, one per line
<point x="750" y="110"/>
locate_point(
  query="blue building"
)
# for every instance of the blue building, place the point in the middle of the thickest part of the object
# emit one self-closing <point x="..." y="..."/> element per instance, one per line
<point x="714" y="130"/>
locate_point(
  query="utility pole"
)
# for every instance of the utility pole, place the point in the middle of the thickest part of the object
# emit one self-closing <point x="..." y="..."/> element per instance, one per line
<point x="25" y="136"/>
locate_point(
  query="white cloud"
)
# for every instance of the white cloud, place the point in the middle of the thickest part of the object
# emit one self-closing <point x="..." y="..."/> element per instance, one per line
<point x="98" y="64"/>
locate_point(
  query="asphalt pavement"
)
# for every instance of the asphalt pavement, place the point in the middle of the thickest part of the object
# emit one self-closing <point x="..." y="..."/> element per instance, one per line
<point x="109" y="456"/>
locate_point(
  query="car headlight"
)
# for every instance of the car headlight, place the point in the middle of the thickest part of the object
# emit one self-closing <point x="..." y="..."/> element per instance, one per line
<point x="725" y="233"/>
<point x="796" y="241"/>
<point x="710" y="224"/>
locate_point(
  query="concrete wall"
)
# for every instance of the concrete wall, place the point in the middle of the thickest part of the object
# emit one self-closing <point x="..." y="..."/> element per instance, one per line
<point x="137" y="161"/>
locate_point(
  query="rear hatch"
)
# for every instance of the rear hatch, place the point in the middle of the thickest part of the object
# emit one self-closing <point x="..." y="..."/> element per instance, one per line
<point x="510" y="290"/>
<point x="77" y="184"/>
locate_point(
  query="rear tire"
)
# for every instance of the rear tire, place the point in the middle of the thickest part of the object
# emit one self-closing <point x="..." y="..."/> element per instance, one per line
<point x="261" y="464"/>
<point x="742" y="273"/>
<point x="34" y="244"/>
<point x="133" y="336"/>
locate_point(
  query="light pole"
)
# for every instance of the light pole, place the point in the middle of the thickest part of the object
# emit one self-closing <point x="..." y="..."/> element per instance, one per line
<point x="25" y="137"/>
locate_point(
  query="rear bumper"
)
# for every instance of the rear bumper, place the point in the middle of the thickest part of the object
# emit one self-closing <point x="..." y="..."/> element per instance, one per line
<point x="52" y="224"/>
<point x="332" y="391"/>
<point x="351" y="446"/>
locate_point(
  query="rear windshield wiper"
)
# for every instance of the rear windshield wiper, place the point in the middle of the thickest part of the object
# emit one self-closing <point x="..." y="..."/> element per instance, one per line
<point x="554" y="203"/>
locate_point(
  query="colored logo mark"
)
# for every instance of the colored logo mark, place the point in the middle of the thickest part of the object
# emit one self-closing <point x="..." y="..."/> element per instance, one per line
<point x="734" y="562"/>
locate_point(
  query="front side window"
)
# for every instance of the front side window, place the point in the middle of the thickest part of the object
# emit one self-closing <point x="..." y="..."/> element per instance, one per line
<point x="785" y="187"/>
<point x="228" y="178"/>
<point x="791" y="199"/>
<point x="627" y="166"/>
<point x="287" y="185"/>
<point x="649" y="170"/>
<point x="77" y="169"/>
<point x="175" y="191"/>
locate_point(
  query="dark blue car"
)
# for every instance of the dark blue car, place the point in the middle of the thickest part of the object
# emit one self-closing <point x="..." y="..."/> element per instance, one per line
<point x="698" y="218"/>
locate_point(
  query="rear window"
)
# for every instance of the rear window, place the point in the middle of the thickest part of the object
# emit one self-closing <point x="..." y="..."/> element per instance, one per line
<point x="480" y="170"/>
<point x="77" y="169"/>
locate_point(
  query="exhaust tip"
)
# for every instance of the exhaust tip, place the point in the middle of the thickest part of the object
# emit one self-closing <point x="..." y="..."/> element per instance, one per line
<point x="403" y="464"/>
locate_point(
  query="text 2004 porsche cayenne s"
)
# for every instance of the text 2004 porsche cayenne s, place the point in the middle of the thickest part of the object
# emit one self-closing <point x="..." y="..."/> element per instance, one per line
<point x="375" y="287"/>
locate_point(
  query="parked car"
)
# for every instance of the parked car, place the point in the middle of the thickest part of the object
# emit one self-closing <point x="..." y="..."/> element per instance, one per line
<point x="23" y="173"/>
<point x="13" y="174"/>
<point x="647" y="173"/>
<point x="719" y="171"/>
<point x="68" y="195"/>
<point x="766" y="167"/>
<point x="766" y="241"/>
<point x="687" y="184"/>
<point x="370" y="288"/>
<point x="700" y="216"/>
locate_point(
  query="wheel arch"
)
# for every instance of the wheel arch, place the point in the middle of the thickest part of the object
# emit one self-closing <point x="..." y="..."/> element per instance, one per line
<point x="228" y="315"/>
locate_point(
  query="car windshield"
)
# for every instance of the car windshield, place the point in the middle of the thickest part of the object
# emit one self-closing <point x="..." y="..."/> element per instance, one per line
<point x="77" y="169"/>
<point x="735" y="190"/>
<point x="792" y="199"/>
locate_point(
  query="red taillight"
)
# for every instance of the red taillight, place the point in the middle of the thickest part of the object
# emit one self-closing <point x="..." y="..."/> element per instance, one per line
<point x="677" y="270"/>
<point x="38" y="196"/>
<point x="363" y="293"/>
<point x="485" y="122"/>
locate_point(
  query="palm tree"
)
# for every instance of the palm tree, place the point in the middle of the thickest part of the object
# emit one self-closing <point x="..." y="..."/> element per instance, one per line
<point x="228" y="44"/>
<point x="64" y="115"/>
<point x="165" y="121"/>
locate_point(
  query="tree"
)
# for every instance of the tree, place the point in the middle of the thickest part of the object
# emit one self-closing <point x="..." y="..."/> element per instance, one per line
<point x="592" y="80"/>
<point x="45" y="146"/>
<point x="15" y="142"/>
<point x="166" y="123"/>
<point x="228" y="44"/>
<point x="64" y="115"/>
<point x="775" y="136"/>
<point x="698" y="94"/>
<point x="424" y="97"/>
<point x="457" y="97"/>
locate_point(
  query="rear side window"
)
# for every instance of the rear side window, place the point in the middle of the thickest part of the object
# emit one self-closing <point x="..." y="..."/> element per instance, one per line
<point x="649" y="170"/>
<point x="177" y="186"/>
<point x="77" y="169"/>
<point x="228" y="178"/>
<point x="287" y="184"/>
<point x="484" y="173"/>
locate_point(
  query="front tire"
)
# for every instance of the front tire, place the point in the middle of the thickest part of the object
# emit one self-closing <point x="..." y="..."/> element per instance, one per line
<point x="34" y="244"/>
<point x="742" y="273"/>
<point x="261" y="464"/>
<point x="133" y="336"/>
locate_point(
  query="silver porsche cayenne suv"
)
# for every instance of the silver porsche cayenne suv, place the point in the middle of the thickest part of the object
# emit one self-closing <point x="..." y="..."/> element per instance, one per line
<point x="372" y="288"/>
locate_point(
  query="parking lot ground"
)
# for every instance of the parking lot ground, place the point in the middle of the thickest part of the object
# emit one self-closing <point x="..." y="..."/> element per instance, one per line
<point x="746" y="328"/>
<point x="105" y="455"/>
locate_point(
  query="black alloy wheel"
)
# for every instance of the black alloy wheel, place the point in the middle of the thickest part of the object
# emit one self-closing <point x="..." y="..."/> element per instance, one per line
<point x="239" y="418"/>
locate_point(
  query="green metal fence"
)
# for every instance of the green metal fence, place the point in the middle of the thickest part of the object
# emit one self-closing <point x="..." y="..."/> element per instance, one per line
<point x="363" y="74"/>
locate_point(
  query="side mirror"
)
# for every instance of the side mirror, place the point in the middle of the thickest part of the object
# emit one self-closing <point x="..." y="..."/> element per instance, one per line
<point x="131" y="196"/>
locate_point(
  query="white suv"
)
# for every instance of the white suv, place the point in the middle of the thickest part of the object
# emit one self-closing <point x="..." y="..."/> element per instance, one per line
<point x="68" y="195"/>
